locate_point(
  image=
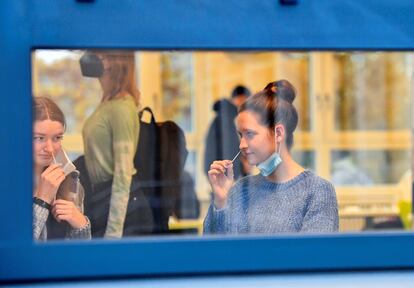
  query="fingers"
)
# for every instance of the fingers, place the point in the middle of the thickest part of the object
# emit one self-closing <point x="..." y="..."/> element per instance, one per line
<point x="63" y="205"/>
<point x="67" y="211"/>
<point x="230" y="172"/>
<point x="219" y="167"/>
<point x="62" y="208"/>
<point x="59" y="179"/>
<point x="62" y="202"/>
<point x="49" y="183"/>
<point x="54" y="173"/>
<point x="221" y="179"/>
<point x="52" y="167"/>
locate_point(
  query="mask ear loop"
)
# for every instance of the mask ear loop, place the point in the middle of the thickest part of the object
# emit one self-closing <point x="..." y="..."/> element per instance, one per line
<point x="278" y="144"/>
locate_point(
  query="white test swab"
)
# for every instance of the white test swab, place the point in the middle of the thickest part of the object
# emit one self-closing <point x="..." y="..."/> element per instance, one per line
<point x="54" y="159"/>
<point x="235" y="157"/>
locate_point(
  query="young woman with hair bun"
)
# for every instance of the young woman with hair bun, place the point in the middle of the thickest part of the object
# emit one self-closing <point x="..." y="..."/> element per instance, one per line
<point x="284" y="197"/>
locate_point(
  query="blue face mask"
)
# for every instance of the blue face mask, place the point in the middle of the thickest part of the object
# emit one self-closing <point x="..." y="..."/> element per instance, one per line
<point x="270" y="164"/>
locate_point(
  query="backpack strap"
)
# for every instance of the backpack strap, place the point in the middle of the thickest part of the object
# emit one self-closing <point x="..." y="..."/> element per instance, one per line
<point x="148" y="109"/>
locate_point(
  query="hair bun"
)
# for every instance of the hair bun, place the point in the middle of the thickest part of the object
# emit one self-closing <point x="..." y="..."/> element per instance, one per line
<point x="282" y="89"/>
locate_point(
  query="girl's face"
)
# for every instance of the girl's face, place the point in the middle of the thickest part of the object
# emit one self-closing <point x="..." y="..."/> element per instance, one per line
<point x="47" y="137"/>
<point x="257" y="142"/>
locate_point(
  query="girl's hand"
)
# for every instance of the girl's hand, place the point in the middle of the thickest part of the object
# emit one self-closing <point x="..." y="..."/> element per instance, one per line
<point x="49" y="183"/>
<point x="221" y="179"/>
<point x="67" y="211"/>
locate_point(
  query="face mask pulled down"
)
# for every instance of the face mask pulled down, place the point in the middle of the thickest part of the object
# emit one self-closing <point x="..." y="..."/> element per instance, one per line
<point x="270" y="164"/>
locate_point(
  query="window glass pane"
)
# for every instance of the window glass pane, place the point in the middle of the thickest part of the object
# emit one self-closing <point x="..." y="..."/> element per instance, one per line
<point x="56" y="74"/>
<point x="295" y="66"/>
<point x="369" y="168"/>
<point x="356" y="135"/>
<point x="177" y="87"/>
<point x="373" y="188"/>
<point x="305" y="158"/>
<point x="372" y="90"/>
<point x="188" y="205"/>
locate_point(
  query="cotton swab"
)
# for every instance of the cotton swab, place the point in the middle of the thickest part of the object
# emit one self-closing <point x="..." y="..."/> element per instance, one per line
<point x="237" y="155"/>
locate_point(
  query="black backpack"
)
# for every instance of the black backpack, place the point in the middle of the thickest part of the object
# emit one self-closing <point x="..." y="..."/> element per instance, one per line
<point x="156" y="188"/>
<point x="159" y="160"/>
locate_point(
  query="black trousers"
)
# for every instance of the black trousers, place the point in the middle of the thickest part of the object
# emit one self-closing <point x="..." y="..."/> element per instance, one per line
<point x="139" y="219"/>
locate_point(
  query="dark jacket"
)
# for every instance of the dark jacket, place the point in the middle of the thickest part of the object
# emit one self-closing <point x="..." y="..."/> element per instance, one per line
<point x="222" y="140"/>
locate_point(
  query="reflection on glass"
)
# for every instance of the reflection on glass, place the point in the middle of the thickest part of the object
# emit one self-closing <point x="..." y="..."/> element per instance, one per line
<point x="295" y="67"/>
<point x="56" y="74"/>
<point x="177" y="87"/>
<point x="381" y="198"/>
<point x="305" y="159"/>
<point x="368" y="96"/>
<point x="372" y="90"/>
<point x="190" y="164"/>
<point x="187" y="205"/>
<point x="368" y="168"/>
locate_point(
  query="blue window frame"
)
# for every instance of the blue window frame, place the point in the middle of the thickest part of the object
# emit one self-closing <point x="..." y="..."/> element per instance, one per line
<point x="183" y="25"/>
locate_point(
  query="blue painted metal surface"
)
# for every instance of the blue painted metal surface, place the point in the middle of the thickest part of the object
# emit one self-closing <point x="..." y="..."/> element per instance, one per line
<point x="173" y="24"/>
<point x="315" y="280"/>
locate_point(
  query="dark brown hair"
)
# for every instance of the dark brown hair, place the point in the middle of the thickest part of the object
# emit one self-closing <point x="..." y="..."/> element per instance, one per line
<point x="44" y="108"/>
<point x="274" y="105"/>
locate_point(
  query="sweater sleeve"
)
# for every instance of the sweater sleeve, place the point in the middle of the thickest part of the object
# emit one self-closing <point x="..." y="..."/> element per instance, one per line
<point x="125" y="131"/>
<point x="81" y="233"/>
<point x="40" y="215"/>
<point x="215" y="221"/>
<point x="322" y="210"/>
<point x="223" y="221"/>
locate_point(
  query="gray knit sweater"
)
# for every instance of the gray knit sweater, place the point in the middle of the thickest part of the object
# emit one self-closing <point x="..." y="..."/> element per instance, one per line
<point x="307" y="203"/>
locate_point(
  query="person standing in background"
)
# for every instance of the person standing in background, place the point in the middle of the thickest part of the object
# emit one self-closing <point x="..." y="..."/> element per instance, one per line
<point x="222" y="141"/>
<point x="110" y="138"/>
